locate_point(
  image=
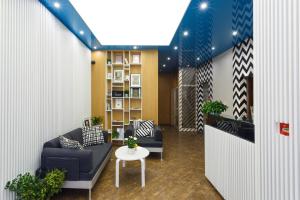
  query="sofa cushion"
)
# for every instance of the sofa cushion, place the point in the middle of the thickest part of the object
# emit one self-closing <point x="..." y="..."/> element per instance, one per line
<point x="54" y="143"/>
<point x="92" y="136"/>
<point x="75" y="134"/>
<point x="143" y="132"/>
<point x="149" y="142"/>
<point x="69" y="144"/>
<point x="99" y="154"/>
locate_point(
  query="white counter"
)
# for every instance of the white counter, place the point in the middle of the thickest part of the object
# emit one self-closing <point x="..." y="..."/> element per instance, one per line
<point x="229" y="164"/>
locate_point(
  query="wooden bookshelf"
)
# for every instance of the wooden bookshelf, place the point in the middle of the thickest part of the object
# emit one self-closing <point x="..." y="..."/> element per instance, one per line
<point x="121" y="110"/>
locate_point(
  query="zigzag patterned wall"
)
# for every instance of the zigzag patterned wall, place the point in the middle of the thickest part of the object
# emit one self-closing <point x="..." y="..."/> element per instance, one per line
<point x="242" y="55"/>
<point x="242" y="67"/>
<point x="204" y="75"/>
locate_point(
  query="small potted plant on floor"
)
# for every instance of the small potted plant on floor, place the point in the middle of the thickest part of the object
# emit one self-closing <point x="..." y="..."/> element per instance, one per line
<point x="212" y="110"/>
<point x="29" y="187"/>
<point x="132" y="144"/>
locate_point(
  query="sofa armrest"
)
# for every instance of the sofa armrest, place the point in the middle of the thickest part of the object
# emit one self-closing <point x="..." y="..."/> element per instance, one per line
<point x="158" y="133"/>
<point x="105" y="135"/>
<point x="129" y="131"/>
<point x="72" y="160"/>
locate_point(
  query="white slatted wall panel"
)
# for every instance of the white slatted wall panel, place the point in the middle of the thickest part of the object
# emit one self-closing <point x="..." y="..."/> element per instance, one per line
<point x="44" y="84"/>
<point x="230" y="164"/>
<point x="277" y="98"/>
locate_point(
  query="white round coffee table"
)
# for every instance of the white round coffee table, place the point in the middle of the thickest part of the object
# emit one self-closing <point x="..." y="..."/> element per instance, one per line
<point x="122" y="154"/>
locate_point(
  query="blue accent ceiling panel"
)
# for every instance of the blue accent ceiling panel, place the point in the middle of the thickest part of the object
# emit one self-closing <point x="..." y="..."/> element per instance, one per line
<point x="210" y="30"/>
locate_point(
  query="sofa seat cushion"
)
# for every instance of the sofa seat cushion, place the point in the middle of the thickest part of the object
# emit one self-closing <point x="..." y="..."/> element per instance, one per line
<point x="99" y="154"/>
<point x="149" y="142"/>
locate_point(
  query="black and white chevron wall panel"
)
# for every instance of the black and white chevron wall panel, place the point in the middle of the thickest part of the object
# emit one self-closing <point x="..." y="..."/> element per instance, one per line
<point x="204" y="76"/>
<point x="242" y="68"/>
<point x="187" y="99"/>
<point x="242" y="20"/>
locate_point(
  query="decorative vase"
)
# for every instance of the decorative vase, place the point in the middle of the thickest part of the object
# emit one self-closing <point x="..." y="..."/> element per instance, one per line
<point x="131" y="150"/>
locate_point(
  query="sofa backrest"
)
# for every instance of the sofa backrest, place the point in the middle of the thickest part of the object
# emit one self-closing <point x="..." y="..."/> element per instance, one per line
<point x="72" y="135"/>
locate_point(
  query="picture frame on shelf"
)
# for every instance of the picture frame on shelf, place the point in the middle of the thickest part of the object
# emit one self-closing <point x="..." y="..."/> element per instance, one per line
<point x="118" y="104"/>
<point x="121" y="133"/>
<point x="108" y="76"/>
<point x="135" y="80"/>
<point x="87" y="122"/>
<point x="119" y="59"/>
<point x="135" y="93"/>
<point x="136" y="59"/>
<point x="118" y="76"/>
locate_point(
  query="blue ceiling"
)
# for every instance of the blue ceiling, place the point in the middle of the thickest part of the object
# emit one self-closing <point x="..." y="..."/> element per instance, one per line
<point x="212" y="27"/>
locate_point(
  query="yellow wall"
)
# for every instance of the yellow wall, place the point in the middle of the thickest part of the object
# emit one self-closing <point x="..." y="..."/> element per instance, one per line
<point x="98" y="83"/>
<point x="166" y="82"/>
<point x="149" y="84"/>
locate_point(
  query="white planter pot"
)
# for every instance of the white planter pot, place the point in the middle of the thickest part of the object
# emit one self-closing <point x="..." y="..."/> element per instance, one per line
<point x="131" y="150"/>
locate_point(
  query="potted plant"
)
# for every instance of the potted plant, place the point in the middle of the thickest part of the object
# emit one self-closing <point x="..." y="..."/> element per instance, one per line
<point x="115" y="134"/>
<point x="132" y="144"/>
<point x="29" y="187"/>
<point x="126" y="93"/>
<point x="97" y="121"/>
<point x="213" y="108"/>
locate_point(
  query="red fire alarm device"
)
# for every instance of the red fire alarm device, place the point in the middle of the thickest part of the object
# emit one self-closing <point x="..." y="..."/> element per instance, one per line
<point x="284" y="129"/>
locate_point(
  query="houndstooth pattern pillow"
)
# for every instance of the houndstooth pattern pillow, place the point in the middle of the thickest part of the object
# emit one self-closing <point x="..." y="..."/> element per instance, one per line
<point x="69" y="144"/>
<point x="92" y="136"/>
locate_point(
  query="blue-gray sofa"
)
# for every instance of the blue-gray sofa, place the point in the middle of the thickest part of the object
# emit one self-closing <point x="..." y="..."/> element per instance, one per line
<point x="153" y="144"/>
<point x="83" y="167"/>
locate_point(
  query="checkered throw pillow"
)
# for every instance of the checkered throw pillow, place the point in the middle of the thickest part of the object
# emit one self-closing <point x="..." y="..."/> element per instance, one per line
<point x="92" y="136"/>
<point x="69" y="144"/>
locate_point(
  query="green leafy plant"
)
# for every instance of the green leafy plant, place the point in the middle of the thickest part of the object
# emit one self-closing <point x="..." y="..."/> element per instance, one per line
<point x="29" y="187"/>
<point x="132" y="142"/>
<point x="115" y="134"/>
<point x="54" y="181"/>
<point x="213" y="107"/>
<point x="96" y="121"/>
<point x="126" y="93"/>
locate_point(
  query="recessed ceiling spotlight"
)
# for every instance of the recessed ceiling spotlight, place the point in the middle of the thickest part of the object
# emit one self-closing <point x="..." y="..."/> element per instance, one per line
<point x="185" y="33"/>
<point x="134" y="47"/>
<point x="234" y="33"/>
<point x="164" y="65"/>
<point x="203" y="6"/>
<point x="198" y="58"/>
<point x="213" y="48"/>
<point x="168" y="58"/>
<point x="176" y="47"/>
<point x="56" y="5"/>
<point x="95" y="47"/>
<point x="81" y="32"/>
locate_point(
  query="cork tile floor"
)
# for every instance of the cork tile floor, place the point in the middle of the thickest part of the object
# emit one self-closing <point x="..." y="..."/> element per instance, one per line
<point x="179" y="176"/>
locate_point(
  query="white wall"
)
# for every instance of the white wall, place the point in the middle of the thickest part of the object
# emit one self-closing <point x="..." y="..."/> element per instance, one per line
<point x="223" y="80"/>
<point x="277" y="98"/>
<point x="45" y="85"/>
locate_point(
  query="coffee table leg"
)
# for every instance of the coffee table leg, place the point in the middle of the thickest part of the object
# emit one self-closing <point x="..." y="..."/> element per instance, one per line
<point x="143" y="171"/>
<point x="117" y="172"/>
<point x="124" y="163"/>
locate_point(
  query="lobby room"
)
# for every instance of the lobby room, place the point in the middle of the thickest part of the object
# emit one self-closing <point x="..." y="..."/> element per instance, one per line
<point x="161" y="99"/>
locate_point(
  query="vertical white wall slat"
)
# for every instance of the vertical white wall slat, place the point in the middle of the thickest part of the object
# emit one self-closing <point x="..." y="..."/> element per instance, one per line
<point x="45" y="85"/>
<point x="276" y="97"/>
